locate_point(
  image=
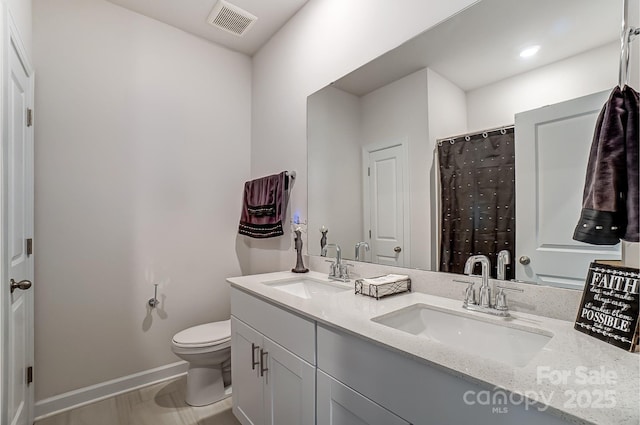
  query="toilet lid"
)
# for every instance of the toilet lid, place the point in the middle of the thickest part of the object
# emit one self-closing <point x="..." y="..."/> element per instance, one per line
<point x="203" y="335"/>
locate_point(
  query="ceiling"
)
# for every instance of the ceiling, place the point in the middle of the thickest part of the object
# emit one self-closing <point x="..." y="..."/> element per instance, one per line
<point x="191" y="16"/>
<point x="481" y="45"/>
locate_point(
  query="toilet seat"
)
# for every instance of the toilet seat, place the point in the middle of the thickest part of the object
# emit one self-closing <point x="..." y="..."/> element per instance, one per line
<point x="204" y="336"/>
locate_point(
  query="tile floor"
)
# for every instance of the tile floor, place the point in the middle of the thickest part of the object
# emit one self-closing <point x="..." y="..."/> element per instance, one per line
<point x="158" y="404"/>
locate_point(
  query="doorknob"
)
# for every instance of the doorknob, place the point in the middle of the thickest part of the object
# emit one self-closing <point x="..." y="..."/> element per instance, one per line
<point x="23" y="284"/>
<point x="397" y="249"/>
<point x="524" y="260"/>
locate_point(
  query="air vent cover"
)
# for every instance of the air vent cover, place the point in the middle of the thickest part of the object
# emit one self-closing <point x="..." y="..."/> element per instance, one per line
<point x="231" y="18"/>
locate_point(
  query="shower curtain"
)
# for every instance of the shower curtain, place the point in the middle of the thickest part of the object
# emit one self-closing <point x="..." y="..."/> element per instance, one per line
<point x="477" y="178"/>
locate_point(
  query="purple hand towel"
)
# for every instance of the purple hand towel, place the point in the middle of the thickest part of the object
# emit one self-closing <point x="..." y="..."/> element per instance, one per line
<point x="264" y="206"/>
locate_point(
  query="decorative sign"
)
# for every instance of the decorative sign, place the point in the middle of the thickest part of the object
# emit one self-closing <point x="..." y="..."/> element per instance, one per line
<point x="610" y="305"/>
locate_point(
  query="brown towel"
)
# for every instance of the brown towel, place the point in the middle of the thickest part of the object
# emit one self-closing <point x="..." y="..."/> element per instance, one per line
<point x="264" y="206"/>
<point x="632" y="104"/>
<point x="610" y="197"/>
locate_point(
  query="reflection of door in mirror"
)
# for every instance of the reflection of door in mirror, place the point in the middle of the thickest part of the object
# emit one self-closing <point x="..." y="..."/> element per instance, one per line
<point x="552" y="150"/>
<point x="385" y="203"/>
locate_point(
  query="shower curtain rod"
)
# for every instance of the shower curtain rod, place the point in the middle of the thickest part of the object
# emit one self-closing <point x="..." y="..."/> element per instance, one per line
<point x="468" y="136"/>
<point x="626" y="37"/>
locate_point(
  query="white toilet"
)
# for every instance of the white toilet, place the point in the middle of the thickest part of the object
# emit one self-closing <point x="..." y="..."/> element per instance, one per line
<point x="207" y="348"/>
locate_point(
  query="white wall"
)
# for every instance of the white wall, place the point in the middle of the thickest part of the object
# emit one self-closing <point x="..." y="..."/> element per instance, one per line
<point x="447" y="108"/>
<point x="325" y="40"/>
<point x="398" y="112"/>
<point x="142" y="149"/>
<point x="334" y="135"/>
<point x="447" y="112"/>
<point x="590" y="72"/>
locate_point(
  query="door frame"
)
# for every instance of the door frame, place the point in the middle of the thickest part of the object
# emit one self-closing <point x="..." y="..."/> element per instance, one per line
<point x="403" y="143"/>
<point x="10" y="38"/>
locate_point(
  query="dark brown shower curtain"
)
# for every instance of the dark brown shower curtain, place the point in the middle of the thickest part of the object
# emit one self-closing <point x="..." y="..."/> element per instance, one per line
<point x="477" y="180"/>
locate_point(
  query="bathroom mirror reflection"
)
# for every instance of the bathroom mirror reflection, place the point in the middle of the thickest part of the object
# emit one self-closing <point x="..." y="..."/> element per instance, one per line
<point x="373" y="135"/>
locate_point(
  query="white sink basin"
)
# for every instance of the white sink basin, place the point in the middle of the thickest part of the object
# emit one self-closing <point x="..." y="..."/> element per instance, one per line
<point x="464" y="332"/>
<point x="308" y="288"/>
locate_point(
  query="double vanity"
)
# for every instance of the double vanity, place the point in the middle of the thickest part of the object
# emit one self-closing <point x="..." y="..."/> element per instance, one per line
<point x="306" y="350"/>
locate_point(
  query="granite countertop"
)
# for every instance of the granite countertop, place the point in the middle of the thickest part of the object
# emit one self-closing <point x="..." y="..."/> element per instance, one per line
<point x="554" y="377"/>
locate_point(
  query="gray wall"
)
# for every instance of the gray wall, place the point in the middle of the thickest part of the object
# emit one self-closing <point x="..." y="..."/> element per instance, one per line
<point x="142" y="148"/>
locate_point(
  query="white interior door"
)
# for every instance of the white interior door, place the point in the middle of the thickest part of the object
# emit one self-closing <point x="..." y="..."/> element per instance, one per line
<point x="552" y="150"/>
<point x="17" y="230"/>
<point x="386" y="205"/>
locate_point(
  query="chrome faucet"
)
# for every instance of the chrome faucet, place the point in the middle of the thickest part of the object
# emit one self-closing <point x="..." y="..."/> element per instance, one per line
<point x="484" y="304"/>
<point x="484" y="297"/>
<point x="358" y="246"/>
<point x="504" y="258"/>
<point x="337" y="270"/>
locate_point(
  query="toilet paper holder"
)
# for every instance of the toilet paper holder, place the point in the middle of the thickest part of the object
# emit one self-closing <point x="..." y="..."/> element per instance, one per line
<point x="153" y="302"/>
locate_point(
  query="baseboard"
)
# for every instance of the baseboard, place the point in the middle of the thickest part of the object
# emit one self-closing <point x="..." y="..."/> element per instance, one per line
<point x="91" y="394"/>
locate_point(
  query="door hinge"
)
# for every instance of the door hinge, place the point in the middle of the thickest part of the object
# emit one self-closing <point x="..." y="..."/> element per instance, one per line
<point x="29" y="246"/>
<point x="369" y="171"/>
<point x="29" y="375"/>
<point x="29" y="117"/>
<point x="369" y="234"/>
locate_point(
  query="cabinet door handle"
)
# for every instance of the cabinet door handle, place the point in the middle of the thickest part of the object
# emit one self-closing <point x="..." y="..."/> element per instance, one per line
<point x="263" y="361"/>
<point x="254" y="363"/>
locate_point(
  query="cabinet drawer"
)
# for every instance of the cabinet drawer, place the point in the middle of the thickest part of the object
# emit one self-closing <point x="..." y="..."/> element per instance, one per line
<point x="419" y="393"/>
<point x="295" y="333"/>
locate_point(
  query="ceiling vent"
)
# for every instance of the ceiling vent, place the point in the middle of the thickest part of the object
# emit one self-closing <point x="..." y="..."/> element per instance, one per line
<point x="231" y="18"/>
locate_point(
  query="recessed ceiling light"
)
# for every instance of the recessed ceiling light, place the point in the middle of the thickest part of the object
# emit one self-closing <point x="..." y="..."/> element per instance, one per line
<point x="529" y="51"/>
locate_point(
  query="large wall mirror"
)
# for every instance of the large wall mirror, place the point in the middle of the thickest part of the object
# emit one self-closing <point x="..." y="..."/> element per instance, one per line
<point x="374" y="135"/>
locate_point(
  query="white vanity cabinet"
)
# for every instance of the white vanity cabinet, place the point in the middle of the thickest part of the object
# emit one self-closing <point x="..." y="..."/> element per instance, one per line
<point x="273" y="380"/>
<point x="340" y="405"/>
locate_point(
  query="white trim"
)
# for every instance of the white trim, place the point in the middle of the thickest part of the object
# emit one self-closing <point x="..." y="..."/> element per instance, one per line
<point x="83" y="396"/>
